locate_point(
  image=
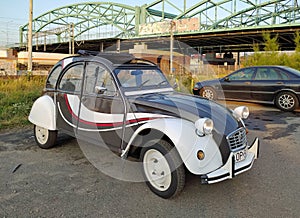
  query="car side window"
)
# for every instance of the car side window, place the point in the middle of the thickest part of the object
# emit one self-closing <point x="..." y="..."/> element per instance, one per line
<point x="283" y="75"/>
<point x="72" y="79"/>
<point x="244" y="74"/>
<point x="261" y="74"/>
<point x="52" y="79"/>
<point x="267" y="74"/>
<point x="273" y="75"/>
<point x="97" y="77"/>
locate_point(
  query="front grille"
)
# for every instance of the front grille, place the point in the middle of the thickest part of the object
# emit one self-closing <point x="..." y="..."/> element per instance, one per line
<point x="237" y="139"/>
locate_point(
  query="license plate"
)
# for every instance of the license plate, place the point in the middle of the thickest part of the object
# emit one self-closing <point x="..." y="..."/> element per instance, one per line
<point x="240" y="155"/>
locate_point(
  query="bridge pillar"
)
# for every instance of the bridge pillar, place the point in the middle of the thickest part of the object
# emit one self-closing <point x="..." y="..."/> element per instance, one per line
<point x="101" y="47"/>
<point x="118" y="46"/>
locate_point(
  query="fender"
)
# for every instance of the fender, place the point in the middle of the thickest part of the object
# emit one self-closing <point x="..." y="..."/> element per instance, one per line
<point x="188" y="143"/>
<point x="286" y="90"/>
<point x="43" y="113"/>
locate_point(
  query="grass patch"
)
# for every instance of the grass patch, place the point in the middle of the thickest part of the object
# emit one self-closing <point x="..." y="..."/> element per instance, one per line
<point x="17" y="95"/>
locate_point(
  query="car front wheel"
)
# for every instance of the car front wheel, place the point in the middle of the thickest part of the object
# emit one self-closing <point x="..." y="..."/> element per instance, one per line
<point x="209" y="93"/>
<point x="286" y="101"/>
<point x="44" y="138"/>
<point x="163" y="169"/>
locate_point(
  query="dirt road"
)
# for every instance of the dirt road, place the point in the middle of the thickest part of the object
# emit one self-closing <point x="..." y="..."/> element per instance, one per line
<point x="61" y="182"/>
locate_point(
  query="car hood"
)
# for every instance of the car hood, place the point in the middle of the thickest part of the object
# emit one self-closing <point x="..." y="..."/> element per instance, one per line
<point x="188" y="107"/>
<point x="208" y="82"/>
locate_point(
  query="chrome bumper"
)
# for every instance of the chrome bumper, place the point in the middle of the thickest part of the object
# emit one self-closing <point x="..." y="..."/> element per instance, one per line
<point x="231" y="168"/>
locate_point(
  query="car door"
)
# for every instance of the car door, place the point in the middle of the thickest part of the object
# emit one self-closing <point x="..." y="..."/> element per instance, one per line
<point x="89" y="106"/>
<point x="68" y="97"/>
<point x="238" y="84"/>
<point x="102" y="111"/>
<point x="266" y="83"/>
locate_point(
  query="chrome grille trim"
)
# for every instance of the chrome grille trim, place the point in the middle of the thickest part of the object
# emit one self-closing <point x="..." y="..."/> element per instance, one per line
<point x="237" y="140"/>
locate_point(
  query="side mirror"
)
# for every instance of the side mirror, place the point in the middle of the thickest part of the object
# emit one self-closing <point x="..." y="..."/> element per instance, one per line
<point x="226" y="79"/>
<point x="100" y="89"/>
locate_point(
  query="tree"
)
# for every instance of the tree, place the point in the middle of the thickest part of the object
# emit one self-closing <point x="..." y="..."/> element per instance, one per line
<point x="297" y="41"/>
<point x="270" y="55"/>
<point x="271" y="44"/>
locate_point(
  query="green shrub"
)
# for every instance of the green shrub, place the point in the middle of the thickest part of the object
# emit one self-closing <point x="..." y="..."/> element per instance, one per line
<point x="271" y="54"/>
<point x="17" y="95"/>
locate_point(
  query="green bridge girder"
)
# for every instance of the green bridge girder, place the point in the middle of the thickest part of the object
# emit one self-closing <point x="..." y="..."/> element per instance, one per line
<point x="96" y="20"/>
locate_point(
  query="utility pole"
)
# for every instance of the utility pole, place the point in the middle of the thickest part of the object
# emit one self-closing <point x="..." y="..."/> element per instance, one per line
<point x="29" y="65"/>
<point x="172" y="23"/>
<point x="71" y="39"/>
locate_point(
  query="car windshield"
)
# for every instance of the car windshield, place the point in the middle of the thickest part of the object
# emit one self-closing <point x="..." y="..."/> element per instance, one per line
<point x="141" y="79"/>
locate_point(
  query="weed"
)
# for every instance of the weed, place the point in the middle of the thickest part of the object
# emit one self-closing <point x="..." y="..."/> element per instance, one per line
<point x="17" y="95"/>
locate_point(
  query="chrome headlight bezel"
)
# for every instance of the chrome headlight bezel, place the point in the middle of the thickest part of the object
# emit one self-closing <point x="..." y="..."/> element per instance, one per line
<point x="204" y="126"/>
<point x="241" y="112"/>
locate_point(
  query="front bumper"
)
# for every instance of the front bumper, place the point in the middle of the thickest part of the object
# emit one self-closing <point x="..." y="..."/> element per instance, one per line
<point x="231" y="168"/>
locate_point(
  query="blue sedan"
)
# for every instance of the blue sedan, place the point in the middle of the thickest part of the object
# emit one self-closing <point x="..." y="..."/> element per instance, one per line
<point x="279" y="85"/>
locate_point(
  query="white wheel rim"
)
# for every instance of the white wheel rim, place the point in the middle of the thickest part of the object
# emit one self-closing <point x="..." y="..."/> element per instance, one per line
<point x="157" y="170"/>
<point x="208" y="94"/>
<point x="286" y="101"/>
<point x="41" y="134"/>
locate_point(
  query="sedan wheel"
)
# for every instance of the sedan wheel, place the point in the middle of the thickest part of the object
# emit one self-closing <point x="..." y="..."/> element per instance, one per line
<point x="286" y="101"/>
<point x="209" y="93"/>
<point x="44" y="138"/>
<point x="163" y="169"/>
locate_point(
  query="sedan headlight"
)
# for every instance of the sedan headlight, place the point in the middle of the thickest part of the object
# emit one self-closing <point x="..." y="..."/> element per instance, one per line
<point x="197" y="86"/>
<point x="204" y="126"/>
<point x="241" y="112"/>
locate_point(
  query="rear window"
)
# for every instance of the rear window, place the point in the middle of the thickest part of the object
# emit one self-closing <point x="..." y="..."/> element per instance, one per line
<point x="72" y="79"/>
<point x="53" y="76"/>
<point x="294" y="71"/>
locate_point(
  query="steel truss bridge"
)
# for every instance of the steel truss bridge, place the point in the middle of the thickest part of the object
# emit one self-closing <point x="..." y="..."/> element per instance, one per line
<point x="207" y="25"/>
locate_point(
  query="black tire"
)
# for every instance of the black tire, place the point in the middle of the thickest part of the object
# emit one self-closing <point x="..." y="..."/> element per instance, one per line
<point x="44" y="138"/>
<point x="286" y="101"/>
<point x="168" y="167"/>
<point x="208" y="92"/>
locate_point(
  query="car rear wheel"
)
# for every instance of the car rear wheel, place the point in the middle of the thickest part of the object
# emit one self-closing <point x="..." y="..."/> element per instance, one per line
<point x="163" y="169"/>
<point x="286" y="101"/>
<point x="44" y="138"/>
<point x="209" y="93"/>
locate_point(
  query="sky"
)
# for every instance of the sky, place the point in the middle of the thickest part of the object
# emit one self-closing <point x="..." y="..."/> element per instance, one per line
<point x="15" y="13"/>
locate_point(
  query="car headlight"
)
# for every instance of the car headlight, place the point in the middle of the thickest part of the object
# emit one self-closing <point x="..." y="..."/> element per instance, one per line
<point x="241" y="112"/>
<point x="204" y="126"/>
<point x="197" y="86"/>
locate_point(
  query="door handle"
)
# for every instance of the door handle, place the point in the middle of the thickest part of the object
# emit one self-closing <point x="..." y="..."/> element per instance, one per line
<point x="247" y="83"/>
<point x="279" y="83"/>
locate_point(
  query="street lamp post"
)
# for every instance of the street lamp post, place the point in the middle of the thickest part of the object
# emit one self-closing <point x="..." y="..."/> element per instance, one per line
<point x="29" y="67"/>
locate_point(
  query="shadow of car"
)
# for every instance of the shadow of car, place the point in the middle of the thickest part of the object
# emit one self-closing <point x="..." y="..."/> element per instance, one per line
<point x="279" y="85"/>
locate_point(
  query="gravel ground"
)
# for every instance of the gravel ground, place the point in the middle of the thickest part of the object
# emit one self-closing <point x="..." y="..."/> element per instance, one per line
<point x="61" y="182"/>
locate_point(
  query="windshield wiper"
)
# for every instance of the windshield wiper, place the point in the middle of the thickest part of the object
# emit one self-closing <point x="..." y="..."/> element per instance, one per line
<point x="161" y="83"/>
<point x="144" y="83"/>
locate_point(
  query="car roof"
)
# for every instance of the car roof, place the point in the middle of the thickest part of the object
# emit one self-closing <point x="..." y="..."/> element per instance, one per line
<point x="287" y="69"/>
<point x="124" y="59"/>
<point x="265" y="66"/>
